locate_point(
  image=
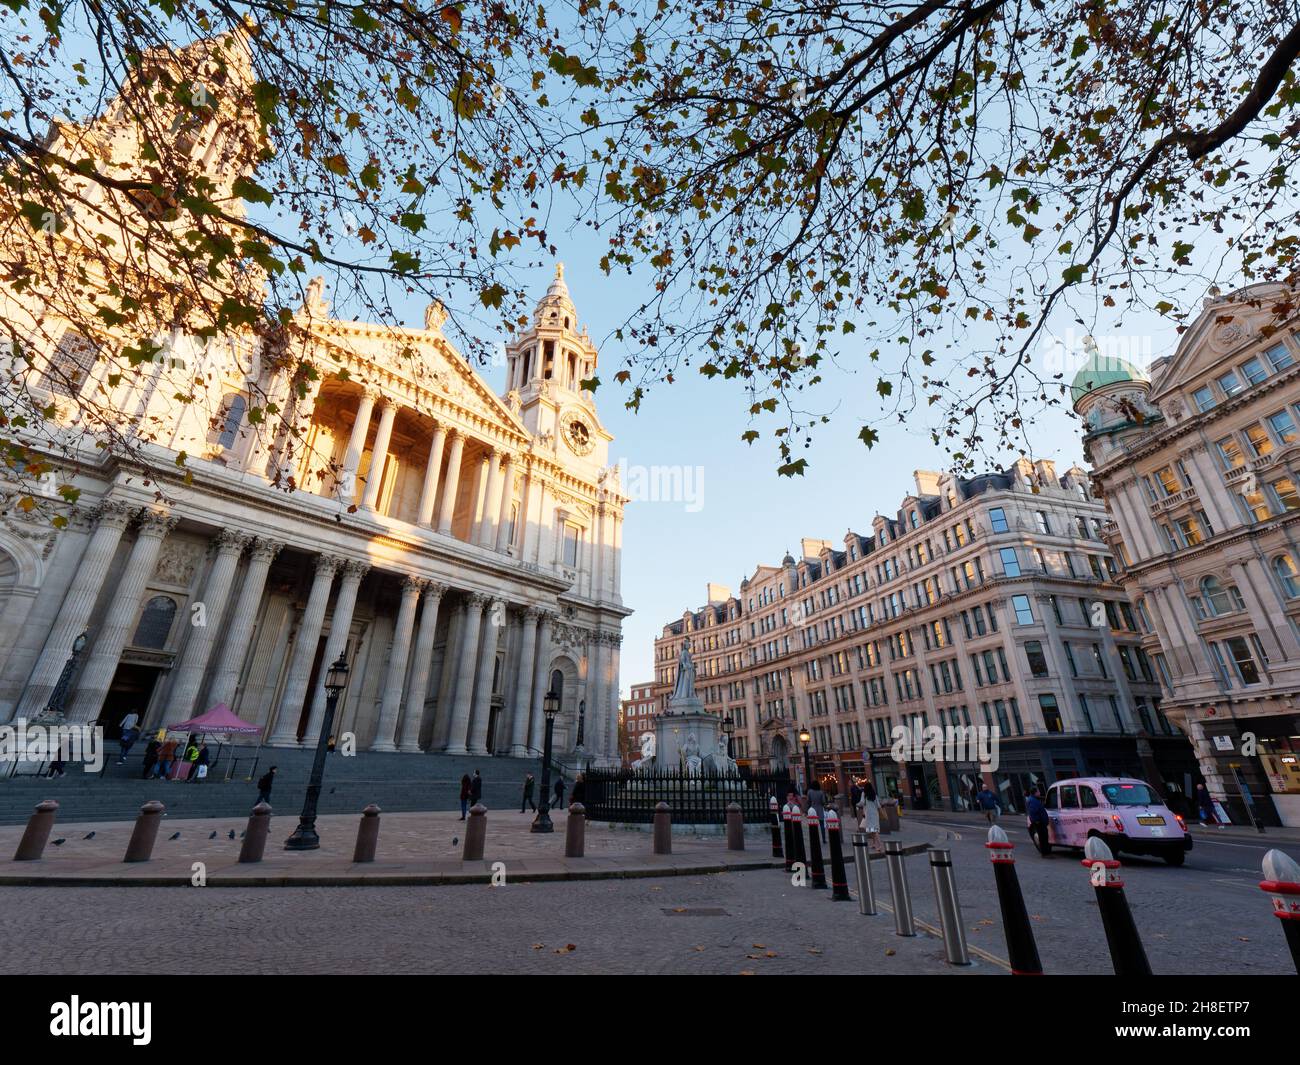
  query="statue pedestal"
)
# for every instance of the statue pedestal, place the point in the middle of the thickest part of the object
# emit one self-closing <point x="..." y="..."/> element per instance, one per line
<point x="684" y="730"/>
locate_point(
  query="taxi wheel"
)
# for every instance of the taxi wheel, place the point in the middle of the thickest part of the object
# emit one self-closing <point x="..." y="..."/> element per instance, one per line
<point x="1175" y="858"/>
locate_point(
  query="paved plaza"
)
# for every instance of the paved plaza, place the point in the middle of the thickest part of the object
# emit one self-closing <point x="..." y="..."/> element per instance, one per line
<point x="1206" y="917"/>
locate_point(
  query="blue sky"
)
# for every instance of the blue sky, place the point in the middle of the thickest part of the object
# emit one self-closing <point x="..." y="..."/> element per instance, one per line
<point x="746" y="514"/>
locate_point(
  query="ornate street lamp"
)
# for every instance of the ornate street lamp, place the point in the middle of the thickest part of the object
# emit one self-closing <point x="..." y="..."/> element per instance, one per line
<point x="805" y="737"/>
<point x="54" y="708"/>
<point x="582" y="718"/>
<point x="542" y="822"/>
<point x="304" y="837"/>
<point x="728" y="727"/>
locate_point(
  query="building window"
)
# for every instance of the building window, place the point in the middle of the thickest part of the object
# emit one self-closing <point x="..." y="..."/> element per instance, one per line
<point x="1284" y="492"/>
<point x="1259" y="440"/>
<point x="1051" y="713"/>
<point x="235" y="407"/>
<point x="1168" y="481"/>
<point x="70" y="365"/>
<point x="1254" y="370"/>
<point x="1239" y="650"/>
<point x="1010" y="563"/>
<point x="998" y="519"/>
<point x="1280" y="356"/>
<point x="1283" y="426"/>
<point x="1203" y="398"/>
<point x="1218" y="599"/>
<point x="1230" y="455"/>
<point x="1037" y="660"/>
<point x="1024" y="612"/>
<point x="1285" y="568"/>
<point x="155" y="623"/>
<point x="572" y="534"/>
<point x="1043" y="525"/>
<point x="1230" y="383"/>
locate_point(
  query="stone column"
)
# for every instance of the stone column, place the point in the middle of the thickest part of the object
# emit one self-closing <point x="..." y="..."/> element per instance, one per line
<point x="458" y="733"/>
<point x="122" y="614"/>
<point x="198" y="648"/>
<point x="448" y="509"/>
<point x="429" y="490"/>
<point x="357" y="444"/>
<point x="524" y="684"/>
<point x="386" y="731"/>
<point x="239" y="629"/>
<point x="111" y="518"/>
<point x="483" y="682"/>
<point x="525" y="512"/>
<point x="593" y="734"/>
<point x="418" y="689"/>
<point x="304" y="651"/>
<point x="379" y="454"/>
<point x="487" y="472"/>
<point x="507" y="498"/>
<point x="616" y="557"/>
<point x="611" y="699"/>
<point x="537" y="719"/>
<point x="336" y="643"/>
<point x="596" y="570"/>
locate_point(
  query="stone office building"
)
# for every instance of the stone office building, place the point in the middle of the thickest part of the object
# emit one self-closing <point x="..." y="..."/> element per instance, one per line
<point x="1199" y="466"/>
<point x="983" y="602"/>
<point x="460" y="548"/>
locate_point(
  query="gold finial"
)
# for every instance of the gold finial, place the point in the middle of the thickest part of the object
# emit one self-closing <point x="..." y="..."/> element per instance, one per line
<point x="559" y="271"/>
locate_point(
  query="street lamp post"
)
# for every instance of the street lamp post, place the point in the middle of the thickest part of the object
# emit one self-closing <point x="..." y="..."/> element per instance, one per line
<point x="54" y="708"/>
<point x="542" y="822"/>
<point x="304" y="837"/>
<point x="728" y="727"/>
<point x="805" y="737"/>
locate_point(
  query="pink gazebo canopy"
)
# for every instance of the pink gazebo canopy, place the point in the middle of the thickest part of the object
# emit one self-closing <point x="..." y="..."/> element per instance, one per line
<point x="218" y="719"/>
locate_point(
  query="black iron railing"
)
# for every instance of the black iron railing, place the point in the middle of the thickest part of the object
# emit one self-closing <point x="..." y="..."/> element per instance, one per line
<point x="630" y="796"/>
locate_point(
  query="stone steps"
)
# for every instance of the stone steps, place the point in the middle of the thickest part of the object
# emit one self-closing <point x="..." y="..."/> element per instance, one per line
<point x="394" y="782"/>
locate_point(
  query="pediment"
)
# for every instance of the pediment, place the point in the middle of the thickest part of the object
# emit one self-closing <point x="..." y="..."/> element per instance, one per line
<point x="1226" y="327"/>
<point x="424" y="358"/>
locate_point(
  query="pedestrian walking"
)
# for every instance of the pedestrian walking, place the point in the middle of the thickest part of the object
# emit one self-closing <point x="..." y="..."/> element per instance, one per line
<point x="988" y="802"/>
<point x="1038" y="822"/>
<point x="871" y="817"/>
<point x="202" y="762"/>
<point x="150" y="757"/>
<point x="130" y="732"/>
<point x="264" y="786"/>
<point x="166" y="758"/>
<point x="559" y="791"/>
<point x="1205" y="805"/>
<point x="529" y="785"/>
<point x="465" y="788"/>
<point x="817" y="803"/>
<point x="579" y="792"/>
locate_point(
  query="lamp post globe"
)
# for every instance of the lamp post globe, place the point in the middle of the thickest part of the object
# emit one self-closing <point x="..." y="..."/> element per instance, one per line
<point x="304" y="837"/>
<point x="542" y="822"/>
<point x="805" y="737"/>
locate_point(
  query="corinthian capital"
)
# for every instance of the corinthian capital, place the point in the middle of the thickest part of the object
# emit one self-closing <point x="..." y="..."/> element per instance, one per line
<point x="230" y="541"/>
<point x="156" y="523"/>
<point x="355" y="569"/>
<point x="113" y="514"/>
<point x="265" y="550"/>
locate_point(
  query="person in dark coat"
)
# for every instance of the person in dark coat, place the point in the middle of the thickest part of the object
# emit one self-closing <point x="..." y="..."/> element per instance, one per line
<point x="476" y="789"/>
<point x="559" y="791"/>
<point x="204" y="759"/>
<point x="1038" y="822"/>
<point x="150" y="757"/>
<point x="264" y="786"/>
<point x="579" y="792"/>
<point x="529" y="784"/>
<point x="466" y="789"/>
<point x="1205" y="805"/>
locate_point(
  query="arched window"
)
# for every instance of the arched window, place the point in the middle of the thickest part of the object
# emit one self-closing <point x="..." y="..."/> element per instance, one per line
<point x="155" y="623"/>
<point x="557" y="685"/>
<point x="1285" y="568"/>
<point x="235" y="406"/>
<point x="70" y="365"/>
<point x="1216" y="597"/>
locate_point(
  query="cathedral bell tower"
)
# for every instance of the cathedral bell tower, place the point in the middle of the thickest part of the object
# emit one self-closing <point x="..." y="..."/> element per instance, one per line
<point x="546" y="368"/>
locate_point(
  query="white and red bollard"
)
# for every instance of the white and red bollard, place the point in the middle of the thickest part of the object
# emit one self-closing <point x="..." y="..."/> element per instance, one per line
<point x="1127" y="954"/>
<point x="1283" y="886"/>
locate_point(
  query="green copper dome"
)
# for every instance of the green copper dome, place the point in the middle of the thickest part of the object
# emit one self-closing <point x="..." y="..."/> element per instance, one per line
<point x="1101" y="370"/>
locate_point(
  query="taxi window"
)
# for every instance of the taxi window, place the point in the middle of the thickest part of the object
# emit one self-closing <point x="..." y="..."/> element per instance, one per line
<point x="1087" y="797"/>
<point x="1069" y="798"/>
<point x="1051" y="799"/>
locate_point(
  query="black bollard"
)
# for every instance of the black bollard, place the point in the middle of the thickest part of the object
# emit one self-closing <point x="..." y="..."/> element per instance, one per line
<point x="815" y="862"/>
<point x="789" y="839"/>
<point x="1126" y="952"/>
<point x="1021" y="948"/>
<point x="839" y="876"/>
<point x="776" y="830"/>
<point x="1283" y="886"/>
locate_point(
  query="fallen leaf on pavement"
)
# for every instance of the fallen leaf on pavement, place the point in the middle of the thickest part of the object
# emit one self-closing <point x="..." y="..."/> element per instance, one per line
<point x="890" y="952"/>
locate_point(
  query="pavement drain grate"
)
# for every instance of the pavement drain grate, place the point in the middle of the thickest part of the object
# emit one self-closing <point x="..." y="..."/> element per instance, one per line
<point x="696" y="911"/>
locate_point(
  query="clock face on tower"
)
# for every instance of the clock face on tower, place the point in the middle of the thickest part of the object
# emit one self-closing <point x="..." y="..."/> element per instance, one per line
<point x="577" y="432"/>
